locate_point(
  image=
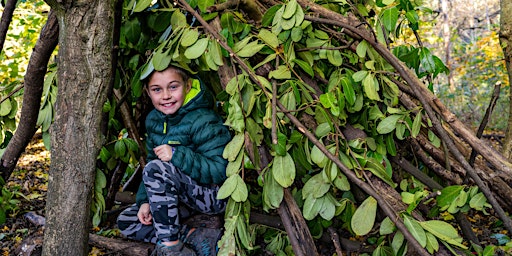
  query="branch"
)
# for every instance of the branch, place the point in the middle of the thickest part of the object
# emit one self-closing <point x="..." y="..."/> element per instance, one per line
<point x="6" y="20"/>
<point x="34" y="81"/>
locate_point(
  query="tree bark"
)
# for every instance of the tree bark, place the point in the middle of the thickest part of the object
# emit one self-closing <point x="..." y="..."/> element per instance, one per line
<point x="506" y="41"/>
<point x="85" y="69"/>
<point x="34" y="81"/>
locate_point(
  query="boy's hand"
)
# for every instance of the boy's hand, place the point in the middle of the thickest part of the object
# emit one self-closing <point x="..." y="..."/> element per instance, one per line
<point x="144" y="214"/>
<point x="163" y="152"/>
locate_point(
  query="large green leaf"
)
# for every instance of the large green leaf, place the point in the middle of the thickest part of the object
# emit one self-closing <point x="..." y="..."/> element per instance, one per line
<point x="283" y="170"/>
<point x="448" y="195"/>
<point x="388" y="124"/>
<point x="364" y="217"/>
<point x="233" y="147"/>
<point x="227" y="187"/>
<point x="197" y="49"/>
<point x="389" y="17"/>
<point x="443" y="231"/>
<point x="416" y="230"/>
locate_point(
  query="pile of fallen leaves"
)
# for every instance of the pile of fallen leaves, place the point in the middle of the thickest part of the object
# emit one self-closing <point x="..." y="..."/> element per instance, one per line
<point x="28" y="184"/>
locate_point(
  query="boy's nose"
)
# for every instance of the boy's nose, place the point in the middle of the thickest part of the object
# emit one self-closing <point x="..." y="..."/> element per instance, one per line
<point x="167" y="94"/>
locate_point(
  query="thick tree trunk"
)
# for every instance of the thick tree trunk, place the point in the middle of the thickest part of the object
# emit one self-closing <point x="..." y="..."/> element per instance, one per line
<point x="34" y="80"/>
<point x="506" y="41"/>
<point x="84" y="73"/>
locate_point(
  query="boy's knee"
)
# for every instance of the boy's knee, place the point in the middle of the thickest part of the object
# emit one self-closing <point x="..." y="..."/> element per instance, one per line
<point x="158" y="166"/>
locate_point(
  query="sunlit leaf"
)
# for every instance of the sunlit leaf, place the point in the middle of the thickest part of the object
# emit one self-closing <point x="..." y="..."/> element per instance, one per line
<point x="364" y="217"/>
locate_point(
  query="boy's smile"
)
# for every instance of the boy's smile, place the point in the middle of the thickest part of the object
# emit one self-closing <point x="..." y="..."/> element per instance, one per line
<point x="167" y="91"/>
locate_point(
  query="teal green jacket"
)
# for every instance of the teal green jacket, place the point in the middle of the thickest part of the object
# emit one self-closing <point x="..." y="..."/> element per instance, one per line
<point x="197" y="134"/>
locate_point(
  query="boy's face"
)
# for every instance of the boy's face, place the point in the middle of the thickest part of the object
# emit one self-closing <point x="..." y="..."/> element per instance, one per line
<point x="167" y="90"/>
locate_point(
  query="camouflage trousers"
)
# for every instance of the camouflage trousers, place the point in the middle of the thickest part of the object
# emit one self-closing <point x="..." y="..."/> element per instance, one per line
<point x="168" y="189"/>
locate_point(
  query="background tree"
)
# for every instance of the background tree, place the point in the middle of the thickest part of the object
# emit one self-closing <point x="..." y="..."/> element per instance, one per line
<point x="506" y="40"/>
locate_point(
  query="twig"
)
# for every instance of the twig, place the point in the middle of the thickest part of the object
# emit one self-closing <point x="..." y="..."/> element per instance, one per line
<point x="12" y="93"/>
<point x="335" y="240"/>
<point x="485" y="120"/>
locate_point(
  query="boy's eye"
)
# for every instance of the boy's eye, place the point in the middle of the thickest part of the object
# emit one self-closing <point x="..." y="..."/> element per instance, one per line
<point x="156" y="89"/>
<point x="173" y="87"/>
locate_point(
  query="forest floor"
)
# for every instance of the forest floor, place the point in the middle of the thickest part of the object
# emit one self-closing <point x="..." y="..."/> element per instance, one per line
<point x="20" y="235"/>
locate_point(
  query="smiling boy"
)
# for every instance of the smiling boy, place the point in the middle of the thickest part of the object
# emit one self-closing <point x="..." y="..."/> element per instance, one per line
<point x="185" y="141"/>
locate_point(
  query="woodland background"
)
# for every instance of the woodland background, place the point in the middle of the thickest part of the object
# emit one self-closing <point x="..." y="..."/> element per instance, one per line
<point x="463" y="34"/>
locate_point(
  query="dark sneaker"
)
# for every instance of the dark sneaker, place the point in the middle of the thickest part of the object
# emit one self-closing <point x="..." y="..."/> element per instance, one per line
<point x="204" y="241"/>
<point x="175" y="250"/>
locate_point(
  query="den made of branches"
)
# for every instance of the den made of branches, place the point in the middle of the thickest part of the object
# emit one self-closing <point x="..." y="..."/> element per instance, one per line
<point x="335" y="126"/>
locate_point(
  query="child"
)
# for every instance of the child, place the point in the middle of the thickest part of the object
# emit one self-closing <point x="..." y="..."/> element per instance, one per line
<point x="185" y="141"/>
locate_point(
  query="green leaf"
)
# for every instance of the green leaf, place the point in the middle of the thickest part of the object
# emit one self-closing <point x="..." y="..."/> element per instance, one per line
<point x="3" y="216"/>
<point x="288" y="24"/>
<point x="361" y="49"/>
<point x="189" y="37"/>
<point x="388" y="124"/>
<point x="120" y="148"/>
<point x="341" y="181"/>
<point x="282" y="72"/>
<point x="197" y="49"/>
<point x="297" y="33"/>
<point x="227" y="187"/>
<point x="416" y="125"/>
<point x="240" y="193"/>
<point x="413" y="18"/>
<point x="448" y="195"/>
<point x="318" y="157"/>
<point x="443" y="231"/>
<point x="272" y="192"/>
<point x="204" y="4"/>
<point x="235" y="118"/>
<point x="360" y="75"/>
<point x="250" y="49"/>
<point x="389" y="18"/>
<point x="427" y="60"/>
<point x="234" y="167"/>
<point x="5" y="107"/>
<point x="305" y="66"/>
<point x="432" y="244"/>
<point x="269" y="38"/>
<point x="101" y="179"/>
<point x="280" y="148"/>
<point x="386" y="227"/>
<point x="178" y="19"/>
<point x="334" y="57"/>
<point x="161" y="59"/>
<point x="322" y="129"/>
<point x="141" y="5"/>
<point x="291" y="8"/>
<point x="478" y="201"/>
<point x="315" y="187"/>
<point x="311" y="208"/>
<point x="283" y="170"/>
<point x="371" y="87"/>
<point x="416" y="230"/>
<point x="348" y="90"/>
<point x="364" y="217"/>
<point x="233" y="147"/>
